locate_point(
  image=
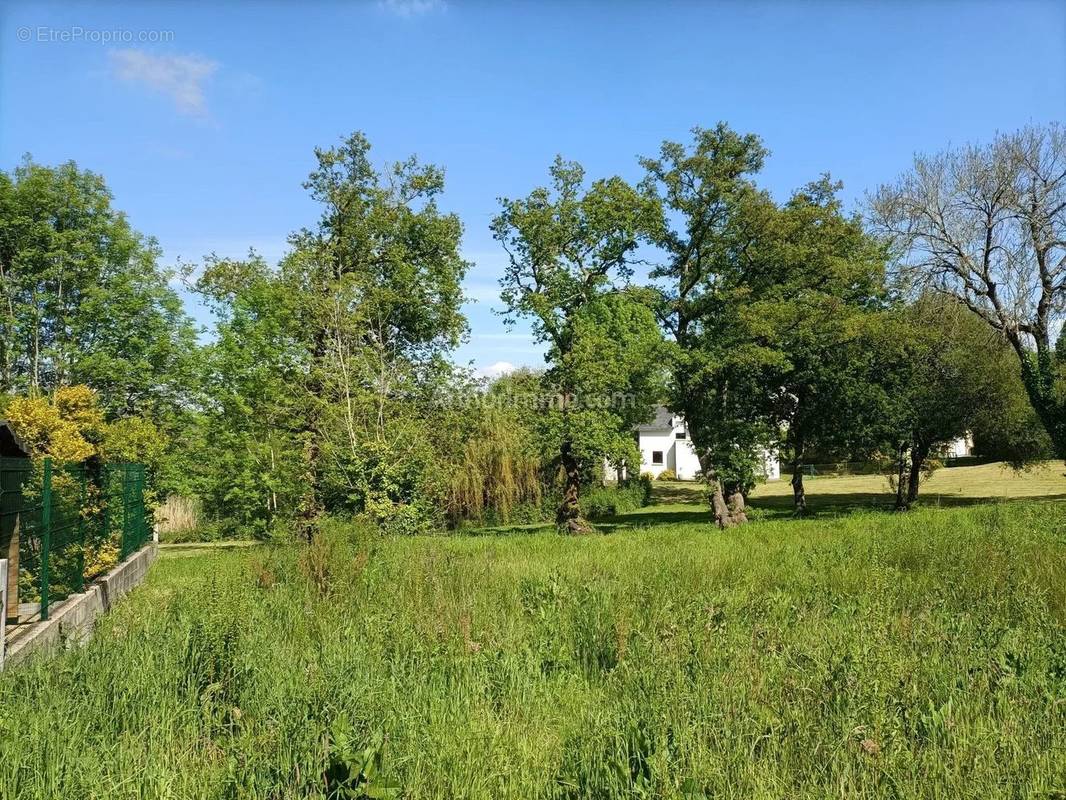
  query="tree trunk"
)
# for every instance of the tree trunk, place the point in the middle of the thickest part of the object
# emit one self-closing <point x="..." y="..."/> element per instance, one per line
<point x="799" y="494"/>
<point x="737" y="506"/>
<point x="918" y="455"/>
<point x="795" y="444"/>
<point x="722" y="514"/>
<point x="6" y="348"/>
<point x="36" y="379"/>
<point x="901" y="477"/>
<point x="310" y="510"/>
<point x="720" y="502"/>
<point x="5" y="371"/>
<point x="568" y="517"/>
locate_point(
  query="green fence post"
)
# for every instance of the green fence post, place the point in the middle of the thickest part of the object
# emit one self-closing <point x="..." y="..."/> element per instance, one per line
<point x="46" y="534"/>
<point x="105" y="499"/>
<point x="125" y="510"/>
<point x="142" y="517"/>
<point x="135" y="525"/>
<point x="81" y="533"/>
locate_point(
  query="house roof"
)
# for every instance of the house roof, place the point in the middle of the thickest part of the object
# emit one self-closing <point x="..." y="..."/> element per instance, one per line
<point x="662" y="421"/>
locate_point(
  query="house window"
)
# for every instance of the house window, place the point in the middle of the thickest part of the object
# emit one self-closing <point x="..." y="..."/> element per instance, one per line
<point x="679" y="435"/>
<point x="656" y="456"/>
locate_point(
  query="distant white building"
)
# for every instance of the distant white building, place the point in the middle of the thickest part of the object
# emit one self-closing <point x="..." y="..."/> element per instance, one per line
<point x="959" y="448"/>
<point x="665" y="444"/>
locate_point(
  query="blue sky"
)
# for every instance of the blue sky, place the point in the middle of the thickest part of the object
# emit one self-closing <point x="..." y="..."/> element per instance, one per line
<point x="205" y="137"/>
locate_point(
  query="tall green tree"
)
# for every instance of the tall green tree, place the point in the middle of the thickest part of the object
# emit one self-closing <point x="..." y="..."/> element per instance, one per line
<point x="1015" y="435"/>
<point x="943" y="372"/>
<point x="239" y="449"/>
<point x="816" y="277"/>
<point x="378" y="287"/>
<point x="616" y="365"/>
<point x="83" y="298"/>
<point x="570" y="251"/>
<point x="720" y="367"/>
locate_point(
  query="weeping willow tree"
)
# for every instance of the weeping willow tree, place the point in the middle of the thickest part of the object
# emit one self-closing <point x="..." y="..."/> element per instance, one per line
<point x="496" y="471"/>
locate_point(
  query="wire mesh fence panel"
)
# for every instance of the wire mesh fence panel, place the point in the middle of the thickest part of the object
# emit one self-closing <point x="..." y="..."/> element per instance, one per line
<point x="26" y="506"/>
<point x="67" y="523"/>
<point x="13" y="475"/>
<point x="52" y="533"/>
<point x="127" y="512"/>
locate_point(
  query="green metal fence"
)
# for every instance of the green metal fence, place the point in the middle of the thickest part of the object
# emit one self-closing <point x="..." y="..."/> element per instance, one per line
<point x="67" y="523"/>
<point x="126" y="483"/>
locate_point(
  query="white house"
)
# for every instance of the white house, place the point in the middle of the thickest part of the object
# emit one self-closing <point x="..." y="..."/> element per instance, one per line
<point x="664" y="444"/>
<point x="959" y="448"/>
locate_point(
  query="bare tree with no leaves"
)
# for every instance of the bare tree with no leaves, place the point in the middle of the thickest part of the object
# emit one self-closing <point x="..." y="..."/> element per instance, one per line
<point x="987" y="225"/>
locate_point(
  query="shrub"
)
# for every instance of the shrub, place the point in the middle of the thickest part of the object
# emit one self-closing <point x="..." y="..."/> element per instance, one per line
<point x="100" y="557"/>
<point x="644" y="482"/>
<point x="205" y="531"/>
<point x="667" y="475"/>
<point x="401" y="519"/>
<point x="496" y="473"/>
<point x="607" y="501"/>
<point x="64" y="427"/>
<point x="599" y="501"/>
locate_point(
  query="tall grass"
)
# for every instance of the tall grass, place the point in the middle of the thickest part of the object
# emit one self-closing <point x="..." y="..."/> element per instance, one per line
<point x="177" y="515"/>
<point x="907" y="656"/>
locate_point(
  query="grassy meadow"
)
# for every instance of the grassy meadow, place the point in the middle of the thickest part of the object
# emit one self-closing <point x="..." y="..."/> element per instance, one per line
<point x="863" y="655"/>
<point x="947" y="486"/>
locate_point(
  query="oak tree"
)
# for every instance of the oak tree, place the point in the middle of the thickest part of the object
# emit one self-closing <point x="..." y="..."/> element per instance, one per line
<point x="570" y="250"/>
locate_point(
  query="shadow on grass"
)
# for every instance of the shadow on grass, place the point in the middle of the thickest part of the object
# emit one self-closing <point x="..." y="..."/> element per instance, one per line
<point x="183" y="549"/>
<point x="779" y="506"/>
<point x="677" y="493"/>
<point x="667" y="510"/>
<point x="504" y="530"/>
<point x="685" y="505"/>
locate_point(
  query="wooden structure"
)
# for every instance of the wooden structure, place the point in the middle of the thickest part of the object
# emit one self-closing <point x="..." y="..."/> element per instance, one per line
<point x="10" y="512"/>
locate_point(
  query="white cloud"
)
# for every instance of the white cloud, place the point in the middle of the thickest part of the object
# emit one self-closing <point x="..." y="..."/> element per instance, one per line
<point x="411" y="8"/>
<point x="179" y="77"/>
<point x="497" y="369"/>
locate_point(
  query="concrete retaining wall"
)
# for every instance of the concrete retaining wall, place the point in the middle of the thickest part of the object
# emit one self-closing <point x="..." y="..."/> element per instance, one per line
<point x="71" y="622"/>
<point x="3" y="608"/>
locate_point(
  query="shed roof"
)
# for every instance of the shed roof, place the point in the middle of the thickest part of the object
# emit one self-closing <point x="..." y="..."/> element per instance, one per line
<point x="11" y="446"/>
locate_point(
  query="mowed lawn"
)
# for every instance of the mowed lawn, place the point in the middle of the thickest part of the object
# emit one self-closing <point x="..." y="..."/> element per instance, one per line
<point x="862" y="655"/>
<point x="949" y="486"/>
<point x="946" y="486"/>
